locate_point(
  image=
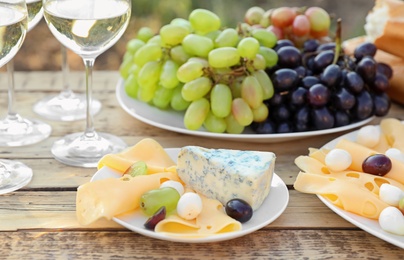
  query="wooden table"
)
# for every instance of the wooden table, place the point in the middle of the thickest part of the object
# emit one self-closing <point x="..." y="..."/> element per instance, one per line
<point x="38" y="221"/>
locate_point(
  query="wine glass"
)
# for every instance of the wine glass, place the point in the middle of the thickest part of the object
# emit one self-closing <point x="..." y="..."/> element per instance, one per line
<point x="16" y="130"/>
<point x="66" y="105"/>
<point x="13" y="28"/>
<point x="88" y="28"/>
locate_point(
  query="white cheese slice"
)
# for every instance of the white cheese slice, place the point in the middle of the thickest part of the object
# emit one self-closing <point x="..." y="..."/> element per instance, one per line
<point x="225" y="174"/>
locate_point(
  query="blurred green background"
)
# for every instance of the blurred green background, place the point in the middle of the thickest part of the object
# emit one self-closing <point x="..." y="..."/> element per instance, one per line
<point x="41" y="51"/>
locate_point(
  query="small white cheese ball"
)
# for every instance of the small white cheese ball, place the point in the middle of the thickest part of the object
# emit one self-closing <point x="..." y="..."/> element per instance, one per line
<point x="395" y="154"/>
<point x="392" y="220"/>
<point x="174" y="184"/>
<point x="189" y="206"/>
<point x="368" y="136"/>
<point x="338" y="160"/>
<point x="390" y="194"/>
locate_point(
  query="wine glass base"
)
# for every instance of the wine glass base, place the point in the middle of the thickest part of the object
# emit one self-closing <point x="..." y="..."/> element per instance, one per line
<point x="63" y="107"/>
<point x="80" y="150"/>
<point x="13" y="175"/>
<point x="18" y="131"/>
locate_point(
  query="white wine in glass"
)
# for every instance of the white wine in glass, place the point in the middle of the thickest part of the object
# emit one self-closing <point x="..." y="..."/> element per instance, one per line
<point x="13" y="28"/>
<point x="16" y="130"/>
<point x="88" y="28"/>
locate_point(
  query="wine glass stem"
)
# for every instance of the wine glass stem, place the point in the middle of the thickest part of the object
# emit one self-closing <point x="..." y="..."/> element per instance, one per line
<point x="65" y="70"/>
<point x="11" y="113"/>
<point x="89" y="64"/>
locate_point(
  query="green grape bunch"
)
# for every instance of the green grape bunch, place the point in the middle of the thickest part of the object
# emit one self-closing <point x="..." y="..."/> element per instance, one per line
<point x="215" y="75"/>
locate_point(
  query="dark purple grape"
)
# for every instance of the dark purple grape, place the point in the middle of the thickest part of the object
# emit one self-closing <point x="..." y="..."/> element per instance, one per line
<point x="280" y="113"/>
<point x="309" y="81"/>
<point x="301" y="119"/>
<point x="266" y="127"/>
<point x="309" y="62"/>
<point x="298" y="96"/>
<point x="326" y="46"/>
<point x="318" y="95"/>
<point x="322" y="118"/>
<point x="380" y="83"/>
<point x="366" y="68"/>
<point x="239" y="209"/>
<point x="310" y="45"/>
<point x="384" y="69"/>
<point x="156" y="218"/>
<point x="322" y="60"/>
<point x="282" y="43"/>
<point x="365" y="49"/>
<point x="354" y="82"/>
<point x="343" y="99"/>
<point x="276" y="100"/>
<point x="284" y="79"/>
<point x="364" y="105"/>
<point x="284" y="127"/>
<point x="377" y="164"/>
<point x="331" y="75"/>
<point x="289" y="57"/>
<point x="381" y="104"/>
<point x="301" y="71"/>
<point x="342" y="118"/>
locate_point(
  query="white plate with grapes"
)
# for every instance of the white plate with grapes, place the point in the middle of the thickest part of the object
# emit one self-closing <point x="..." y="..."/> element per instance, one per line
<point x="173" y="121"/>
<point x="272" y="207"/>
<point x="366" y="224"/>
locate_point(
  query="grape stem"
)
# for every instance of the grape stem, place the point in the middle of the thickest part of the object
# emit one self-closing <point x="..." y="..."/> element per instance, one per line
<point x="337" y="41"/>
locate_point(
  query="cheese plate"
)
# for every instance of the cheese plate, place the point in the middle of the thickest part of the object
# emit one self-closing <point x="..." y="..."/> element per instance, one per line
<point x="272" y="207"/>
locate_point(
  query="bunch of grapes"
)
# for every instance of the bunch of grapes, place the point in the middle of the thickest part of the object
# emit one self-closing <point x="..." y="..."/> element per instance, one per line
<point x="319" y="87"/>
<point x="295" y="24"/>
<point x="217" y="76"/>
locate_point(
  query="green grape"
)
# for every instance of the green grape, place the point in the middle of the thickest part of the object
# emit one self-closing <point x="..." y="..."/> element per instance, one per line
<point x="248" y="47"/>
<point x="214" y="124"/>
<point x="152" y="200"/>
<point x="242" y="112"/>
<point x="124" y="68"/>
<point x="204" y="21"/>
<point x="270" y="56"/>
<point x="168" y="75"/>
<point x="265" y="37"/>
<point x="182" y="22"/>
<point x="177" y="102"/>
<point x="202" y="61"/>
<point x="232" y="126"/>
<point x="227" y="38"/>
<point x="131" y="86"/>
<point x="136" y="169"/>
<point x="179" y="55"/>
<point x="236" y="87"/>
<point x="197" y="45"/>
<point x="196" y="114"/>
<point x="196" y="88"/>
<point x="265" y="82"/>
<point x="134" y="45"/>
<point x="224" y="57"/>
<point x="127" y="56"/>
<point x="260" y="113"/>
<point x="148" y="52"/>
<point x="172" y="34"/>
<point x="145" y="34"/>
<point x="149" y="74"/>
<point x="156" y="39"/>
<point x="134" y="69"/>
<point x="189" y="71"/>
<point x="220" y="100"/>
<point x="213" y="35"/>
<point x="146" y="94"/>
<point x="259" y="62"/>
<point x="162" y="97"/>
<point x="251" y="91"/>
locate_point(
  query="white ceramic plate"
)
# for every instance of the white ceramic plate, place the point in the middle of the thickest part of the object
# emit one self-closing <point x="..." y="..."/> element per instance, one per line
<point x="368" y="225"/>
<point x="173" y="121"/>
<point x="271" y="209"/>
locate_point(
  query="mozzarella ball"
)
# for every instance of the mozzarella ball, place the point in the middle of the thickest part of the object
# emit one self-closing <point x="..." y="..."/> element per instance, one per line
<point x="174" y="184"/>
<point x="338" y="160"/>
<point x="394" y="153"/>
<point x="189" y="206"/>
<point x="390" y="194"/>
<point x="368" y="136"/>
<point x="392" y="220"/>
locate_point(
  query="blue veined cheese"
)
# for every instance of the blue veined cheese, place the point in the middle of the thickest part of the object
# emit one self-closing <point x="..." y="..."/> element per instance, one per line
<point x="225" y="174"/>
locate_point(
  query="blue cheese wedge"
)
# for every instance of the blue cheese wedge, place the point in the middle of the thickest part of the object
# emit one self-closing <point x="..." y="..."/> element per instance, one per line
<point x="225" y="174"/>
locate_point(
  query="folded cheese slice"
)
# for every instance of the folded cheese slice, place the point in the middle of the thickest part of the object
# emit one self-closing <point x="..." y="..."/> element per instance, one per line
<point x="212" y="220"/>
<point x="147" y="150"/>
<point x="393" y="129"/>
<point x="110" y="197"/>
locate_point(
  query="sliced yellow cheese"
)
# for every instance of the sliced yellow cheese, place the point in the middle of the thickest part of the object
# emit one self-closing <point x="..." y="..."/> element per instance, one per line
<point x="393" y="129"/>
<point x="147" y="150"/>
<point x="110" y="197"/>
<point x="212" y="220"/>
<point x="343" y="194"/>
<point x="359" y="153"/>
